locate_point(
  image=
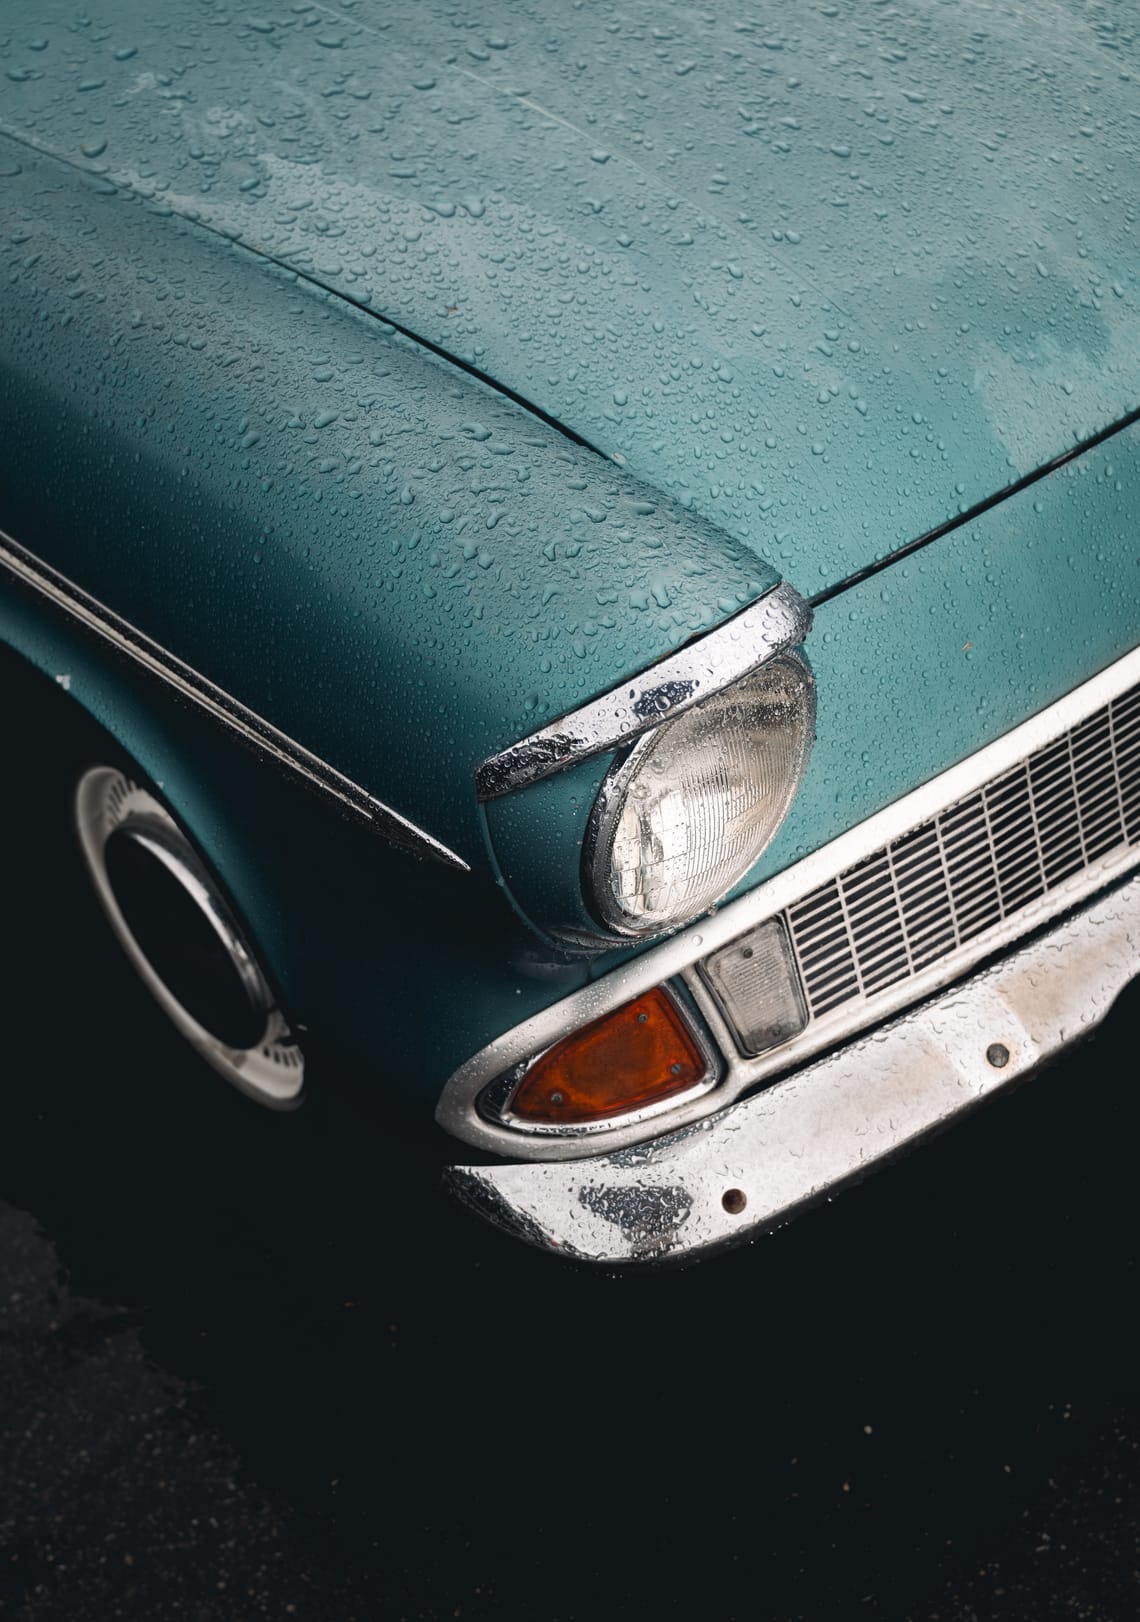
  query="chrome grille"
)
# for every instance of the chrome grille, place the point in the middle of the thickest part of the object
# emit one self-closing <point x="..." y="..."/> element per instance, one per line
<point x="974" y="865"/>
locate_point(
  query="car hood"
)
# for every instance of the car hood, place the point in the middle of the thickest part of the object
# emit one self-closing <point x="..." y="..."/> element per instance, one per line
<point x="826" y="273"/>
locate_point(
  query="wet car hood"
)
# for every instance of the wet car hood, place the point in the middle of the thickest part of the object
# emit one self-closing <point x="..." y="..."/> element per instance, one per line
<point x="826" y="273"/>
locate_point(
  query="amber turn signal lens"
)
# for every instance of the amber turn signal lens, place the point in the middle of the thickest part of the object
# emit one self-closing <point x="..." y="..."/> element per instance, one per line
<point x="638" y="1055"/>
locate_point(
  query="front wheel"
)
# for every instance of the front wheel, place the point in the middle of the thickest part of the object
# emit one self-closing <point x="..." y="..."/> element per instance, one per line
<point x="178" y="929"/>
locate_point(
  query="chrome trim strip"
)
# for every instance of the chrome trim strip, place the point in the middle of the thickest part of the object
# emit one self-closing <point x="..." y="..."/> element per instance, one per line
<point x="252" y="728"/>
<point x="679" y="955"/>
<point x="773" y="624"/>
<point x="753" y="1166"/>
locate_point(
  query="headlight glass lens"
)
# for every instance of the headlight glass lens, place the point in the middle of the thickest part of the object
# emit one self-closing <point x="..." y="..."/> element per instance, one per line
<point x="684" y="815"/>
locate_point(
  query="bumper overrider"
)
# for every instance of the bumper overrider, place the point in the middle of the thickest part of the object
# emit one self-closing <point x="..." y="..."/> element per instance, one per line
<point x="941" y="950"/>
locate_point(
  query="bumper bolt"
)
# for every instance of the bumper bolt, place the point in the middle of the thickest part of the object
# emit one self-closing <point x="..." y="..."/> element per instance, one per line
<point x="998" y="1055"/>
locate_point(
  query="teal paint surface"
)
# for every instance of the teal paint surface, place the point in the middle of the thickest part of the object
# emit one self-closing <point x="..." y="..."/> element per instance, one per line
<point x="537" y="835"/>
<point x="799" y="352"/>
<point x="402" y="967"/>
<point x="948" y="649"/>
<point x="825" y="272"/>
<point x="915" y="668"/>
<point x="402" y="570"/>
<point x="394" y="564"/>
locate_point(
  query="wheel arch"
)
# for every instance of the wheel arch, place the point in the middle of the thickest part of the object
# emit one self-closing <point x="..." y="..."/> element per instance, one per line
<point x="135" y="725"/>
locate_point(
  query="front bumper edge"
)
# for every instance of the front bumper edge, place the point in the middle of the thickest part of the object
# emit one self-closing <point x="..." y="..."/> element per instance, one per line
<point x="679" y="1196"/>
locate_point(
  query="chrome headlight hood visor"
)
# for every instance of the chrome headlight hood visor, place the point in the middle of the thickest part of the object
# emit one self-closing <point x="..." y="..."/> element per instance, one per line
<point x="772" y="625"/>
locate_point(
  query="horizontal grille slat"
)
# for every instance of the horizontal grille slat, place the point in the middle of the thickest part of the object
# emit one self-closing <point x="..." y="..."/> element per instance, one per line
<point x="975" y="864"/>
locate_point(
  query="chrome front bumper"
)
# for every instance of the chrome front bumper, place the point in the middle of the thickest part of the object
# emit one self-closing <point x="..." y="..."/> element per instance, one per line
<point x="732" y="1175"/>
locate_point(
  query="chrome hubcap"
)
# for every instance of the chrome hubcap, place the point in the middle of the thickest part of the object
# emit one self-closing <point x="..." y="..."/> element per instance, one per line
<point x="180" y="933"/>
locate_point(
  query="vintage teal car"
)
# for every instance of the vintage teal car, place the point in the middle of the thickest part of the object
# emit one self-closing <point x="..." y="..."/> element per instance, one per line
<point x="604" y="542"/>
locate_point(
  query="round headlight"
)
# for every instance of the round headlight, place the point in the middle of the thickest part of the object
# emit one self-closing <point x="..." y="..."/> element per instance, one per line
<point x="684" y="814"/>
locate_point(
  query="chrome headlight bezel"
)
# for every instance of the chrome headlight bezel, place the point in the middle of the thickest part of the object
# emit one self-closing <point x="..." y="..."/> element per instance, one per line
<point x="613" y="793"/>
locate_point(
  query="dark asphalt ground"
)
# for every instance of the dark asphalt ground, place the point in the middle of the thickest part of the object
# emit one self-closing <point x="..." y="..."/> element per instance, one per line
<point x="254" y="1366"/>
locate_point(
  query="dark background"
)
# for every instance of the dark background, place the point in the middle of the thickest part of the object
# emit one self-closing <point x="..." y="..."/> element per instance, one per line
<point x="256" y="1366"/>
